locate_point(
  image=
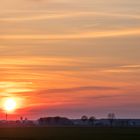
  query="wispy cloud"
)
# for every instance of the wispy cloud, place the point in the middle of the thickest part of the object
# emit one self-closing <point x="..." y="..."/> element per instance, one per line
<point x="44" y="15"/>
<point x="76" y="89"/>
<point x="131" y="66"/>
<point x="124" y="69"/>
<point x="79" y="35"/>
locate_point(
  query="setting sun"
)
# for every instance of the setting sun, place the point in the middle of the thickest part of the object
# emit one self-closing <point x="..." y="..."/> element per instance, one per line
<point x="10" y="104"/>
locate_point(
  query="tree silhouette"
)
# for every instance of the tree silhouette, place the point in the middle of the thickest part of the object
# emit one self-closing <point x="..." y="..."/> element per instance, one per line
<point x="111" y="118"/>
<point x="92" y="120"/>
<point x="84" y="118"/>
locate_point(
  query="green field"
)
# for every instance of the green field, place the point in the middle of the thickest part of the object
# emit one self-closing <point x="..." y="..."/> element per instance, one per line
<point x="69" y="133"/>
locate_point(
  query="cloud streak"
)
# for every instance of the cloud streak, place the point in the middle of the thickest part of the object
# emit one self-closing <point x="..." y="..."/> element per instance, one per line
<point x="77" y="89"/>
<point x="52" y="15"/>
<point x="81" y="35"/>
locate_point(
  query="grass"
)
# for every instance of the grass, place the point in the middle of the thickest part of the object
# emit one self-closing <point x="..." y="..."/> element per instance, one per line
<point x="69" y="133"/>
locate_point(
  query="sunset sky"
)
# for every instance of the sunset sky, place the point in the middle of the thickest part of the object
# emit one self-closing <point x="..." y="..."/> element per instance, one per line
<point x="70" y="57"/>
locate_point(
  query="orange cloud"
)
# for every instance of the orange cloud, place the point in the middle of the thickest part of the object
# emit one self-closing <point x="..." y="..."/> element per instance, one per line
<point x="63" y="15"/>
<point x="79" y="35"/>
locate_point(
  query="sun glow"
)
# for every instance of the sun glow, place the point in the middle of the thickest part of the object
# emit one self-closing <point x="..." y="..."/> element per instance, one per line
<point x="10" y="105"/>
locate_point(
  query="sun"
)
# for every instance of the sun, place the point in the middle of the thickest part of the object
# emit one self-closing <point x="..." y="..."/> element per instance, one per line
<point x="10" y="105"/>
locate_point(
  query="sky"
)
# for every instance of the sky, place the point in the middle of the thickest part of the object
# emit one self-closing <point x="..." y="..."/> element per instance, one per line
<point x="70" y="57"/>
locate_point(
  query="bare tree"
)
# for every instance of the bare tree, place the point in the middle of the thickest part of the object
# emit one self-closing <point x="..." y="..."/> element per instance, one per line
<point x="111" y="118"/>
<point x="92" y="120"/>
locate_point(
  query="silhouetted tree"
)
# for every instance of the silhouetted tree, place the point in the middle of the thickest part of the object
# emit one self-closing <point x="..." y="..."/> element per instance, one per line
<point x="92" y="120"/>
<point x="111" y="118"/>
<point x="21" y="119"/>
<point x="84" y="118"/>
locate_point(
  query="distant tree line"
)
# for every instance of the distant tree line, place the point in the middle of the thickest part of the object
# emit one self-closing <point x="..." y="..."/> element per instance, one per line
<point x="111" y="117"/>
<point x="65" y="121"/>
<point x="90" y="120"/>
<point x="55" y="121"/>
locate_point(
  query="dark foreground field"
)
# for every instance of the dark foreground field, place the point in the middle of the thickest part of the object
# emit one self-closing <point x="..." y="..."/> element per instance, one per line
<point x="69" y="133"/>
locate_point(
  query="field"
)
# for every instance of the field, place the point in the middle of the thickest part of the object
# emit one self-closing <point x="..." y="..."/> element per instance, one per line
<point x="69" y="133"/>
